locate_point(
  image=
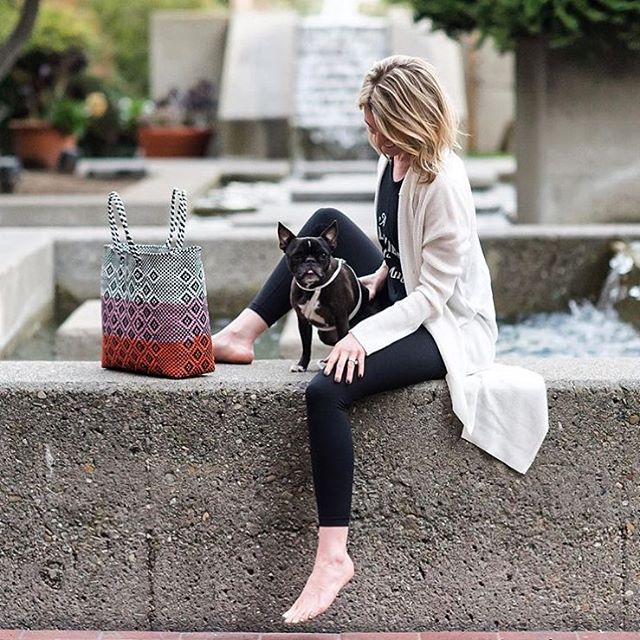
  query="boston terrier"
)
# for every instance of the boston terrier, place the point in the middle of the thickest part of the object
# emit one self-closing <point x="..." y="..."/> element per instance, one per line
<point x="325" y="291"/>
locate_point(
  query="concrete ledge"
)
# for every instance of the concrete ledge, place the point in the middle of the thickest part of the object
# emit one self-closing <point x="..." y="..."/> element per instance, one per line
<point x="574" y="258"/>
<point x="136" y="502"/>
<point x="149" y="197"/>
<point x="26" y="286"/>
<point x="79" y="337"/>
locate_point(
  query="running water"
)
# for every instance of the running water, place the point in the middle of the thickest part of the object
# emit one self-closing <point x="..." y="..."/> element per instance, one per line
<point x="335" y="49"/>
<point x="587" y="329"/>
<point x="624" y="261"/>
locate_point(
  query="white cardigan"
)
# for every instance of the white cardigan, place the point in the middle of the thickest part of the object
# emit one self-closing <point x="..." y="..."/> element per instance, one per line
<point x="503" y="408"/>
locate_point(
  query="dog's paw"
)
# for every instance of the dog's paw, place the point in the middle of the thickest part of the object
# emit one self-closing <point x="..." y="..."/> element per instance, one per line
<point x="296" y="368"/>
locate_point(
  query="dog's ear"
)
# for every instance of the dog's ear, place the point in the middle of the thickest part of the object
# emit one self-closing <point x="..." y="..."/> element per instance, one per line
<point x="285" y="236"/>
<point x="330" y="234"/>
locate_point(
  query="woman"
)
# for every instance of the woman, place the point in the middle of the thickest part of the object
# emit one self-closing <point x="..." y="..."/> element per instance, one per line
<point x="429" y="251"/>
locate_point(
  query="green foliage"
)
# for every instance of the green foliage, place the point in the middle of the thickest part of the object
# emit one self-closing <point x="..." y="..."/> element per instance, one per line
<point x="57" y="28"/>
<point x="69" y="116"/>
<point x="590" y="26"/>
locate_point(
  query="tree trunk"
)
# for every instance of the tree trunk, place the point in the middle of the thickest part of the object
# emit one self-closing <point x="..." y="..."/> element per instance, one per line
<point x="10" y="50"/>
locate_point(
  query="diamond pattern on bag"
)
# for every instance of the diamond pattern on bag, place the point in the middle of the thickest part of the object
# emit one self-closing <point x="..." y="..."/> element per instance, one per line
<point x="155" y="315"/>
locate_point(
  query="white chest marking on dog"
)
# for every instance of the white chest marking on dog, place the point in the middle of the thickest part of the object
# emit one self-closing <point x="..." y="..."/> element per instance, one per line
<point x="309" y="309"/>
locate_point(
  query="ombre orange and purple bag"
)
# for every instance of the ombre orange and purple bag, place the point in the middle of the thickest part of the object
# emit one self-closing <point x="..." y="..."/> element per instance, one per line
<point x="155" y="314"/>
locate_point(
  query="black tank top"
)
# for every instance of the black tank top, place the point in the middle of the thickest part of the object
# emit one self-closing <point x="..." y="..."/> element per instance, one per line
<point x="387" y="218"/>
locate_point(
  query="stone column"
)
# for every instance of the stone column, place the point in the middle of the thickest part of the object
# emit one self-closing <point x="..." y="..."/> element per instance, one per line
<point x="577" y="135"/>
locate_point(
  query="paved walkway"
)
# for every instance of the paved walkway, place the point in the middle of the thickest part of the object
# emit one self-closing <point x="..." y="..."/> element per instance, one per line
<point x="20" y="634"/>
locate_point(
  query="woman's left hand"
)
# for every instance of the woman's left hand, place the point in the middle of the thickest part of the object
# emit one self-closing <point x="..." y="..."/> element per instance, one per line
<point x="346" y="348"/>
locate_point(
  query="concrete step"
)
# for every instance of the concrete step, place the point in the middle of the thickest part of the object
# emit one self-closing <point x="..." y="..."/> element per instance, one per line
<point x="128" y="498"/>
<point x="79" y="337"/>
<point x="26" y="285"/>
<point x="354" y="187"/>
<point x="147" y="200"/>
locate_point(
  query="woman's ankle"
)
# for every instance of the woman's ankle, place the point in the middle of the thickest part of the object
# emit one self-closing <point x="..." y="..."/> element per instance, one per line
<point x="247" y="325"/>
<point x="332" y="544"/>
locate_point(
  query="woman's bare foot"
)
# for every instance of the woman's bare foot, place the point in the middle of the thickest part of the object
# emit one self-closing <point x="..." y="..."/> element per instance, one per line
<point x="234" y="343"/>
<point x="332" y="570"/>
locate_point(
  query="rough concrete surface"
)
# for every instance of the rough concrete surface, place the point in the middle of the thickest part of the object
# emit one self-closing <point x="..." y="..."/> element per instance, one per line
<point x="567" y="263"/>
<point x="137" y="502"/>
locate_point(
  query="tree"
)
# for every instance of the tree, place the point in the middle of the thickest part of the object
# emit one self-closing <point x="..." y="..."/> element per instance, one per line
<point x="10" y="49"/>
<point x="590" y="26"/>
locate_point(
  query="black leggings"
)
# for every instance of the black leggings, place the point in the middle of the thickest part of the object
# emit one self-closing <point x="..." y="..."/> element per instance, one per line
<point x="412" y="359"/>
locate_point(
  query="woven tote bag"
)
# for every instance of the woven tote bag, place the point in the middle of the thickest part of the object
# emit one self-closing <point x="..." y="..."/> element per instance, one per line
<point x="153" y="298"/>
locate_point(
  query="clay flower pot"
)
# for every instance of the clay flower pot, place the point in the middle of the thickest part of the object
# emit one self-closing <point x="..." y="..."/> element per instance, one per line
<point x="38" y="144"/>
<point x="173" y="142"/>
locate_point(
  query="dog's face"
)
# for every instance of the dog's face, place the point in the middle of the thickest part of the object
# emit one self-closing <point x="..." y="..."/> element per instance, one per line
<point x="308" y="257"/>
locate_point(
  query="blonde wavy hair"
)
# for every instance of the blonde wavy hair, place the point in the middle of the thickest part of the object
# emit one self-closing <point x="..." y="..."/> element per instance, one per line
<point x="411" y="108"/>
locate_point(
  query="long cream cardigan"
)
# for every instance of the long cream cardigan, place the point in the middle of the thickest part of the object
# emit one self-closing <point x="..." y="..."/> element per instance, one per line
<point x="503" y="408"/>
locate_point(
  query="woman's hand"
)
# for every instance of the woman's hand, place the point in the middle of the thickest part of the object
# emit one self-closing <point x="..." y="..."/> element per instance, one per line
<point x="374" y="281"/>
<point x="346" y="348"/>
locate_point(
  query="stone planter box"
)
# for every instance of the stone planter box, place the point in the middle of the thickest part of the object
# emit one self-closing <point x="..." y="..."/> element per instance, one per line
<point x="576" y="135"/>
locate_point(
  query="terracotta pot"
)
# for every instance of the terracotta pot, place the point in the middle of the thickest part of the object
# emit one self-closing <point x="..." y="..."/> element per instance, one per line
<point x="165" y="142"/>
<point x="38" y="144"/>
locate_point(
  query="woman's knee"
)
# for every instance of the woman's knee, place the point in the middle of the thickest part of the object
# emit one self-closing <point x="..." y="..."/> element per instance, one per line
<point x="323" y="390"/>
<point x="325" y="215"/>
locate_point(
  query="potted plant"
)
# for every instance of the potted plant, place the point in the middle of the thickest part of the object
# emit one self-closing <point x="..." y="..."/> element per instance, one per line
<point x="47" y="113"/>
<point x="51" y="121"/>
<point x="39" y="142"/>
<point x="180" y="124"/>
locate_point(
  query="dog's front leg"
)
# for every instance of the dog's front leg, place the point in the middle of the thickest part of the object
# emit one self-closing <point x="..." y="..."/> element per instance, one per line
<point x="305" y="329"/>
<point x="342" y="326"/>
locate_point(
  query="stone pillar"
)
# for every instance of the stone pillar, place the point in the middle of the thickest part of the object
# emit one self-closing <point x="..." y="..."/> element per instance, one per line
<point x="256" y="96"/>
<point x="173" y="64"/>
<point x="577" y="135"/>
<point x="490" y="95"/>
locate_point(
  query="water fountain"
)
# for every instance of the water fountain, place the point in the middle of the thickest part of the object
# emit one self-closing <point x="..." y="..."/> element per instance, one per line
<point x="335" y="49"/>
<point x="610" y="327"/>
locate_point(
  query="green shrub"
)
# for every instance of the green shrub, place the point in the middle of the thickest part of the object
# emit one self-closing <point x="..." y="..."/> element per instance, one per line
<point x="57" y="29"/>
<point x="69" y="116"/>
<point x="590" y="26"/>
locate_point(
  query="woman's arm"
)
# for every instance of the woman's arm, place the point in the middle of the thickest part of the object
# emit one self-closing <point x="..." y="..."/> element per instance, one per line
<point x="446" y="241"/>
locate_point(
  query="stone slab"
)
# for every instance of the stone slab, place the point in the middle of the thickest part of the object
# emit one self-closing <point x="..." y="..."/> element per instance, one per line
<point x="184" y="47"/>
<point x="344" y="187"/>
<point x="257" y="43"/>
<point x="147" y="200"/>
<point x="573" y="258"/>
<point x="79" y="337"/>
<point x="190" y="503"/>
<point x="26" y="285"/>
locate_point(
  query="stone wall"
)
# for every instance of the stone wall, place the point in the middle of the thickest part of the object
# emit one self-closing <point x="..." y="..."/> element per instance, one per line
<point x="131" y="502"/>
<point x="577" y="136"/>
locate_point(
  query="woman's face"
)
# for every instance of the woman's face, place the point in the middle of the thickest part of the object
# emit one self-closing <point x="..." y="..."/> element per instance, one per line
<point x="384" y="144"/>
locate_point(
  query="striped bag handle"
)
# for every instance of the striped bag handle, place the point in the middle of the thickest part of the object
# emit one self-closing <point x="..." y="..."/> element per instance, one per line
<point x="114" y="202"/>
<point x="177" y="220"/>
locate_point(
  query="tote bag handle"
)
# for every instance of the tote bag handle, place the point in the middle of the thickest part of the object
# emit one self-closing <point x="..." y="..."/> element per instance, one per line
<point x="115" y="202"/>
<point x="177" y="220"/>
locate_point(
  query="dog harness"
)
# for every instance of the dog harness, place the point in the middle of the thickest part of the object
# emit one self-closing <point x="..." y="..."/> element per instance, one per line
<point x="316" y="292"/>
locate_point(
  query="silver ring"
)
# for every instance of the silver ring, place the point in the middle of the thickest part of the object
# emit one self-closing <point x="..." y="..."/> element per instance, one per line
<point x="354" y="360"/>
